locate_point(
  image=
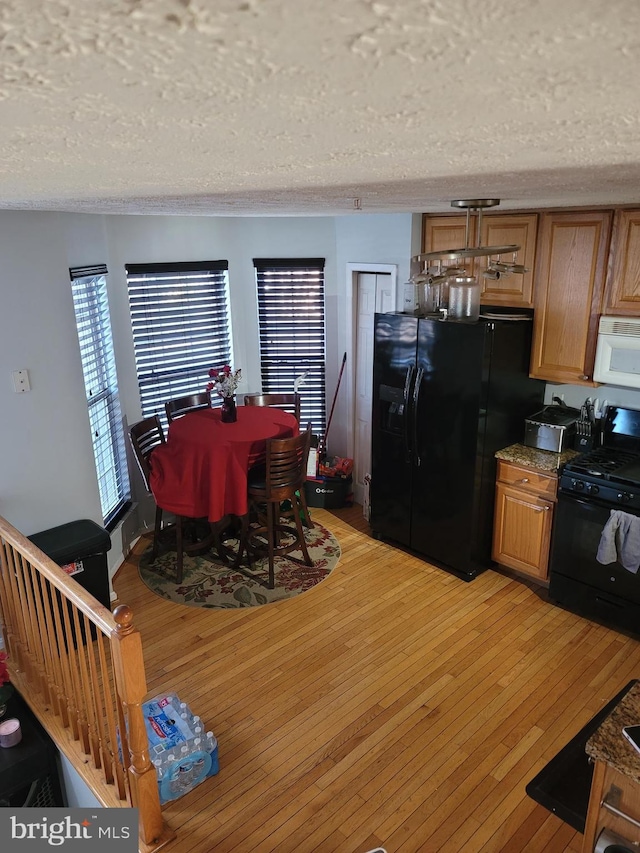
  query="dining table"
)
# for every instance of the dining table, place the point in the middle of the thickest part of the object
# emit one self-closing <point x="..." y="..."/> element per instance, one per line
<point x="201" y="471"/>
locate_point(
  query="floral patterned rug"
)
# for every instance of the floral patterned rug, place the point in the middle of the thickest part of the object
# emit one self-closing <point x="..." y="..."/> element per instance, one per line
<point x="207" y="582"/>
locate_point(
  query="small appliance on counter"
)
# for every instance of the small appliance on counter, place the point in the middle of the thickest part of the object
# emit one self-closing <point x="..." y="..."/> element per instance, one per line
<point x="553" y="428"/>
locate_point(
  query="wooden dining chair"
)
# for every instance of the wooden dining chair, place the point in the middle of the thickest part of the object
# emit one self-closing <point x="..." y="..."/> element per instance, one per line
<point x="281" y="478"/>
<point x="189" y="403"/>
<point x="145" y="436"/>
<point x="288" y="402"/>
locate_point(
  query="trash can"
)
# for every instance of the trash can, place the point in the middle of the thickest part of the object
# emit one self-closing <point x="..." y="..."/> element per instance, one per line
<point x="80" y="548"/>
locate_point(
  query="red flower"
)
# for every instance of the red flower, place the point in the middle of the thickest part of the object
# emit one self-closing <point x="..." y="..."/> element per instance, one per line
<point x="213" y="373"/>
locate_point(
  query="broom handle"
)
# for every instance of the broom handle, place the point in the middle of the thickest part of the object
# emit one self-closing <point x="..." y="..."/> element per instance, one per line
<point x="323" y="441"/>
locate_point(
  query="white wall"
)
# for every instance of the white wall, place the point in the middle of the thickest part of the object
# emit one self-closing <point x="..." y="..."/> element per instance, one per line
<point x="371" y="239"/>
<point x="77" y="792"/>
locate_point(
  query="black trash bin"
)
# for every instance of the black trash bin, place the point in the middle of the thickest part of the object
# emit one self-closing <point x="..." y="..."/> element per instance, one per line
<point x="80" y="547"/>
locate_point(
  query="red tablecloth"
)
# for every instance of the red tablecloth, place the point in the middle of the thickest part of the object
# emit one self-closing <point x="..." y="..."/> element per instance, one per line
<point x="202" y="469"/>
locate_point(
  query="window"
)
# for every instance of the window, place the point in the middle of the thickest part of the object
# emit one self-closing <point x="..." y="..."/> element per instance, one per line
<point x="181" y="328"/>
<point x="89" y="288"/>
<point x="291" y="318"/>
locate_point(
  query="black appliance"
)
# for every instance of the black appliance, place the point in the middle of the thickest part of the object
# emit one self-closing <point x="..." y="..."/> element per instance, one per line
<point x="446" y="397"/>
<point x="591" y="486"/>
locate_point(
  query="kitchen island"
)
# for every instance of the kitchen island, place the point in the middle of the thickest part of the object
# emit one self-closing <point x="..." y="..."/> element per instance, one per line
<point x="614" y="804"/>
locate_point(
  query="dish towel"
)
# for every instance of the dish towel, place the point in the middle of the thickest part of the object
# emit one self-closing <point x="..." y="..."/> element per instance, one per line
<point x="620" y="540"/>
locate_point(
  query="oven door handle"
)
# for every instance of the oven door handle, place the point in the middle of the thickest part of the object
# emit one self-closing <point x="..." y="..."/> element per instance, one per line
<point x="594" y="502"/>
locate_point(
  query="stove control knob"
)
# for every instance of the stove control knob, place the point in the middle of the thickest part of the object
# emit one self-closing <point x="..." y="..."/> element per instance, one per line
<point x="624" y="497"/>
<point x="577" y="485"/>
<point x="593" y="489"/>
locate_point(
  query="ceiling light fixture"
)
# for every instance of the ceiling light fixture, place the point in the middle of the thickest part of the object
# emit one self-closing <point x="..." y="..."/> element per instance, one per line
<point x="424" y="264"/>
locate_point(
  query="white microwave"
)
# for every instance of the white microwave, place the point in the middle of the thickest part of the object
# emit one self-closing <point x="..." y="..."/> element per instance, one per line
<point x="618" y="352"/>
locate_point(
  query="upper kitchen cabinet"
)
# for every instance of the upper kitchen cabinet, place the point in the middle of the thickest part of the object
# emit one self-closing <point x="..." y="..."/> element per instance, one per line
<point x="506" y="230"/>
<point x="623" y="285"/>
<point x="568" y="294"/>
<point x="448" y="232"/>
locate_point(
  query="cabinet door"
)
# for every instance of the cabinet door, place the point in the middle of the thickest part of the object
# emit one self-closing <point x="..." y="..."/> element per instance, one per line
<point x="623" y="794"/>
<point x="573" y="249"/>
<point x="448" y="232"/>
<point x="623" y="286"/>
<point x="522" y="531"/>
<point x="506" y="230"/>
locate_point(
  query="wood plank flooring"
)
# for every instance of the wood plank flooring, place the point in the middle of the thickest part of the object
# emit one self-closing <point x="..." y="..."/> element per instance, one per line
<point x="392" y="705"/>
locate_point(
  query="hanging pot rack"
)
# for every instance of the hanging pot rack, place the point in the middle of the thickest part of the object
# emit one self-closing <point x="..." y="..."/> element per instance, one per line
<point x="494" y="270"/>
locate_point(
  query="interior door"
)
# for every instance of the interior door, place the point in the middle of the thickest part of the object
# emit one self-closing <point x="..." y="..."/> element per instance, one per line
<point x="373" y="294"/>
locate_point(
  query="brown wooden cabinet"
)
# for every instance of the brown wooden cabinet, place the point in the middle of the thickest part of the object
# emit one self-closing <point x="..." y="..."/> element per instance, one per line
<point x="621" y="792"/>
<point x="449" y="232"/>
<point x="505" y="230"/>
<point x="623" y="284"/>
<point x="525" y="500"/>
<point x="568" y="294"/>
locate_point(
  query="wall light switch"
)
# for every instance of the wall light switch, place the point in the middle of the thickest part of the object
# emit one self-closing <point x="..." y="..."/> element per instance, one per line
<point x="21" y="381"/>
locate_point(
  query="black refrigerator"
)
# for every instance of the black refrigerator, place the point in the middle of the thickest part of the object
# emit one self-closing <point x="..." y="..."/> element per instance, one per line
<point x="446" y="397"/>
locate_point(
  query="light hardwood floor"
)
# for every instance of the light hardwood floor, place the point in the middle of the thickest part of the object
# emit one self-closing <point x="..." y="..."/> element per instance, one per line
<point x="392" y="705"/>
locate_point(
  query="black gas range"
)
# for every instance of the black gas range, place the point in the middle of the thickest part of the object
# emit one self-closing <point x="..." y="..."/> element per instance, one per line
<point x="591" y="487"/>
<point x="609" y="473"/>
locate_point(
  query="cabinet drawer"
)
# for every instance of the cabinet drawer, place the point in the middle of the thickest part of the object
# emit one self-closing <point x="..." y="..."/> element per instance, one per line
<point x="527" y="479"/>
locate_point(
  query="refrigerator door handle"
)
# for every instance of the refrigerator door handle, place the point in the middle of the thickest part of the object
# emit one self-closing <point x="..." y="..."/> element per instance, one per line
<point x="414" y="412"/>
<point x="407" y="395"/>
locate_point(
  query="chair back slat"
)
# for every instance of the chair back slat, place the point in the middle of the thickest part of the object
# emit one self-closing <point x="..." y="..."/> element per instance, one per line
<point x="145" y="436"/>
<point x="286" y="464"/>
<point x="189" y="403"/>
<point x="288" y="402"/>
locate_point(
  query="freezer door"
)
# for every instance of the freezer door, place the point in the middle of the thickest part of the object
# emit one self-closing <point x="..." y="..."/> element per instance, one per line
<point x="450" y="407"/>
<point x="394" y="370"/>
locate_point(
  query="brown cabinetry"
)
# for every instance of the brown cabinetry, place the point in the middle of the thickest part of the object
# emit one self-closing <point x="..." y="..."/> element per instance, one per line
<point x="523" y="518"/>
<point x="505" y="230"/>
<point x="569" y="288"/>
<point x="449" y="232"/>
<point x="623" y="285"/>
<point x="614" y="804"/>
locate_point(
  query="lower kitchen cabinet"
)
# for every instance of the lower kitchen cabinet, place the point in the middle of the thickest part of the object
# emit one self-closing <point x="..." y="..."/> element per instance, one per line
<point x="525" y="501"/>
<point x="614" y="810"/>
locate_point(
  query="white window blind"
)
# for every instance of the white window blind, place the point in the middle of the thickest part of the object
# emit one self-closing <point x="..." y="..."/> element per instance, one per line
<point x="292" y="331"/>
<point x="89" y="288"/>
<point x="181" y="328"/>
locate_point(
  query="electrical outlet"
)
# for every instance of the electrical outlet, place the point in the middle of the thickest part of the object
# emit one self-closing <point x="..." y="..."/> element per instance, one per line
<point x="20" y="381"/>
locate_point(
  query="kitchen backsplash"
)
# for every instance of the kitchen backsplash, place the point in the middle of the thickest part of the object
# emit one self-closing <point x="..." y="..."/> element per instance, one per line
<point x="574" y="395"/>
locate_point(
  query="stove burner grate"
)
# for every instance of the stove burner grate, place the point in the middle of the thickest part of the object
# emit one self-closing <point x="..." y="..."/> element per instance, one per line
<point x="601" y="462"/>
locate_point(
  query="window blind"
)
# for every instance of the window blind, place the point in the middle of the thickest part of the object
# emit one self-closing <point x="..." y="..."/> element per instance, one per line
<point x="181" y="328"/>
<point x="291" y="316"/>
<point x="90" y="302"/>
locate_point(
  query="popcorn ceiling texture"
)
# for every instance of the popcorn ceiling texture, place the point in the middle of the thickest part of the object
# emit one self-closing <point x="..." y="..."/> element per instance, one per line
<point x="239" y="107"/>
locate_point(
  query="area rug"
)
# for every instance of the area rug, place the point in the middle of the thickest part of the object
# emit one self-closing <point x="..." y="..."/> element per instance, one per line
<point x="208" y="582"/>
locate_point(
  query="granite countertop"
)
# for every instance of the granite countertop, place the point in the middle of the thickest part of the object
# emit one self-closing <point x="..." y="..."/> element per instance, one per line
<point x="543" y="460"/>
<point x="608" y="744"/>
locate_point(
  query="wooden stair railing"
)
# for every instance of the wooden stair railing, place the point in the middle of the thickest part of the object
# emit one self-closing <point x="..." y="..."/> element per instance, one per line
<point x="81" y="670"/>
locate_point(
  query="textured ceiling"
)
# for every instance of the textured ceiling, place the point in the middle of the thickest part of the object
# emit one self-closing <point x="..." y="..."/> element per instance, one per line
<point x="280" y="107"/>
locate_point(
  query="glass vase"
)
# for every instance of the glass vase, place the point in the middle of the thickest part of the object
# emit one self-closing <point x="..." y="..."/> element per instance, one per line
<point x="228" y="414"/>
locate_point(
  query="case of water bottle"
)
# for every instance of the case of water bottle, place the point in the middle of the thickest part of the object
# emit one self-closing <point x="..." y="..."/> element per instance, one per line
<point x="183" y="754"/>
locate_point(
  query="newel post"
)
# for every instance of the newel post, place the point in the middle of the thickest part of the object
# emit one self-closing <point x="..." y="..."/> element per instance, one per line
<point x="132" y="688"/>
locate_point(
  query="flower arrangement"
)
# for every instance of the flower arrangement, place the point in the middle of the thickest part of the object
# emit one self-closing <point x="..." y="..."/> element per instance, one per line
<point x="224" y="381"/>
<point x="6" y="689"/>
